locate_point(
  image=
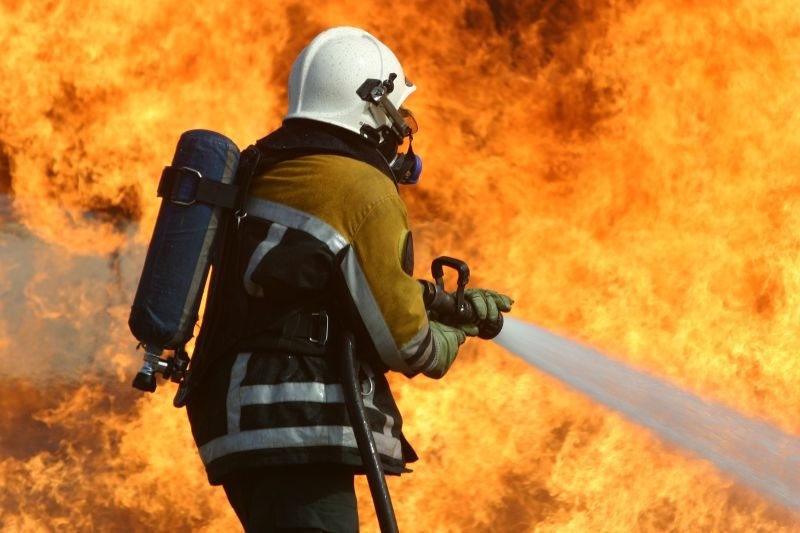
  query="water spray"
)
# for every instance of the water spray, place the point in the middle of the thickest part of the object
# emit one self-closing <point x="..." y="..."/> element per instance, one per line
<point x="755" y="452"/>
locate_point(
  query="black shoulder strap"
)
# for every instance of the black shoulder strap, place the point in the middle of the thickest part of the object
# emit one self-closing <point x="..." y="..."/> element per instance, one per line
<point x="249" y="162"/>
<point x="183" y="185"/>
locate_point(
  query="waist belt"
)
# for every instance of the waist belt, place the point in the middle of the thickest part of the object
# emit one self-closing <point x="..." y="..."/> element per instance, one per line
<point x="313" y="327"/>
<point x="305" y="333"/>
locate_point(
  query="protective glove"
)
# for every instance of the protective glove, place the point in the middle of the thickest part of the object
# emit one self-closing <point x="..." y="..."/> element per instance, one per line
<point x="488" y="304"/>
<point x="446" y="340"/>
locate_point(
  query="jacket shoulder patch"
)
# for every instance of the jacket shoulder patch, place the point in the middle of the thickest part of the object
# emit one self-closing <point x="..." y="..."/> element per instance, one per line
<point x="407" y="255"/>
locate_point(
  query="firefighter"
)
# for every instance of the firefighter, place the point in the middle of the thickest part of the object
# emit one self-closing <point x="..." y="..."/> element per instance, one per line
<point x="324" y="247"/>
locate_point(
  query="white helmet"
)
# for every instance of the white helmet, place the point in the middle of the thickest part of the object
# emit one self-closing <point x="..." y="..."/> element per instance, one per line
<point x="348" y="78"/>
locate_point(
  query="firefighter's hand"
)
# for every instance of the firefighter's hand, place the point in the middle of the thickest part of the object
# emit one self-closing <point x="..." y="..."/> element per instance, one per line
<point x="446" y="340"/>
<point x="488" y="305"/>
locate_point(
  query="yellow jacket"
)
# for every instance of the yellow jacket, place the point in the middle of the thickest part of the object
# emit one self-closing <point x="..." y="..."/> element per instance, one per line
<point x="267" y="403"/>
<point x="358" y="212"/>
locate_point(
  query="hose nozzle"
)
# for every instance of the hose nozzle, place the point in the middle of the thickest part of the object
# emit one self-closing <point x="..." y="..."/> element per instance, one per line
<point x="451" y="307"/>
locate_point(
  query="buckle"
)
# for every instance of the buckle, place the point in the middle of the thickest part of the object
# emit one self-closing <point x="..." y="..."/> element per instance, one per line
<point x="180" y="185"/>
<point x="320" y="326"/>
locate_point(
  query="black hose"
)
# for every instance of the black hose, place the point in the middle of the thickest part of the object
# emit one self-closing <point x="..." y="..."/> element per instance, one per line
<point x="366" y="443"/>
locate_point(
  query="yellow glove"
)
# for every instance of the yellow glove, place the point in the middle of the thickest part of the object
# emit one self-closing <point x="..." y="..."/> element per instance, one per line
<point x="446" y="340"/>
<point x="488" y="305"/>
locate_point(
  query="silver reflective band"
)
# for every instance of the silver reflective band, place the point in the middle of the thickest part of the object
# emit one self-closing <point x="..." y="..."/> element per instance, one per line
<point x="291" y="392"/>
<point x="296" y="219"/>
<point x="355" y="279"/>
<point x="294" y="437"/>
<point x="304" y="391"/>
<point x="233" y="405"/>
<point x="274" y="236"/>
<point x="371" y="314"/>
<point x="308" y="391"/>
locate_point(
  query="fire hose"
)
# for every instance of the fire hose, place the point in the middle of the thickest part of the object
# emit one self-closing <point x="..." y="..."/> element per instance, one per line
<point x="448" y="307"/>
<point x="366" y="443"/>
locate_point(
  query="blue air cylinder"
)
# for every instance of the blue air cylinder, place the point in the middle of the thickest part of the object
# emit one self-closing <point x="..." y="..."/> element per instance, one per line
<point x="197" y="190"/>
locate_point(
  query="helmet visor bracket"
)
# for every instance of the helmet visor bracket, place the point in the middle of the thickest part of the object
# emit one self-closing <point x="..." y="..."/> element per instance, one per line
<point x="377" y="92"/>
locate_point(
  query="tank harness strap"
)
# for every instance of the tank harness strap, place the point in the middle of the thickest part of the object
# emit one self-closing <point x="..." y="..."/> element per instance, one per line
<point x="312" y="327"/>
<point x="185" y="186"/>
<point x="301" y="333"/>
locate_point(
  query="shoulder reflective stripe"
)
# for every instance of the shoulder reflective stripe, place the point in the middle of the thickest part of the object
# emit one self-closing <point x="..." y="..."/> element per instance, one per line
<point x="291" y="392"/>
<point x="297" y="219"/>
<point x="295" y="437"/>
<point x="356" y="281"/>
<point x="357" y="284"/>
<point x="371" y="313"/>
<point x="233" y="404"/>
<point x="274" y="236"/>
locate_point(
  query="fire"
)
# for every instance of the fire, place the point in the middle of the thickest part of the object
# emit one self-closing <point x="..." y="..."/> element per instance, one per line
<point x="626" y="170"/>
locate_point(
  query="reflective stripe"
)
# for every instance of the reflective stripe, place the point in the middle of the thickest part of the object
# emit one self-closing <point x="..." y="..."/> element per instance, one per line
<point x="293" y="437"/>
<point x="369" y="403"/>
<point x="371" y="314"/>
<point x="296" y="437"/>
<point x="291" y="392"/>
<point x="309" y="391"/>
<point x="355" y="279"/>
<point x="299" y="220"/>
<point x="414" y="353"/>
<point x="273" y="238"/>
<point x="387" y="427"/>
<point x="233" y="403"/>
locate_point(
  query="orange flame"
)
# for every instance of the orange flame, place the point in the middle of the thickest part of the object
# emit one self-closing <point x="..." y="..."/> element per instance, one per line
<point x="626" y="170"/>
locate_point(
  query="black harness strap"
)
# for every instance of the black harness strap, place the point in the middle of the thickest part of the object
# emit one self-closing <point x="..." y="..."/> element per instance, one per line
<point x="186" y="186"/>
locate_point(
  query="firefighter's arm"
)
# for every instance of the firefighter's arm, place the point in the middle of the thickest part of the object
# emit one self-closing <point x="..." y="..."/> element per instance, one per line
<point x="382" y="245"/>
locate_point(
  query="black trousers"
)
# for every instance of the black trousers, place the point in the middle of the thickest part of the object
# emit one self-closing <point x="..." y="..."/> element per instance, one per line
<point x="296" y="499"/>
